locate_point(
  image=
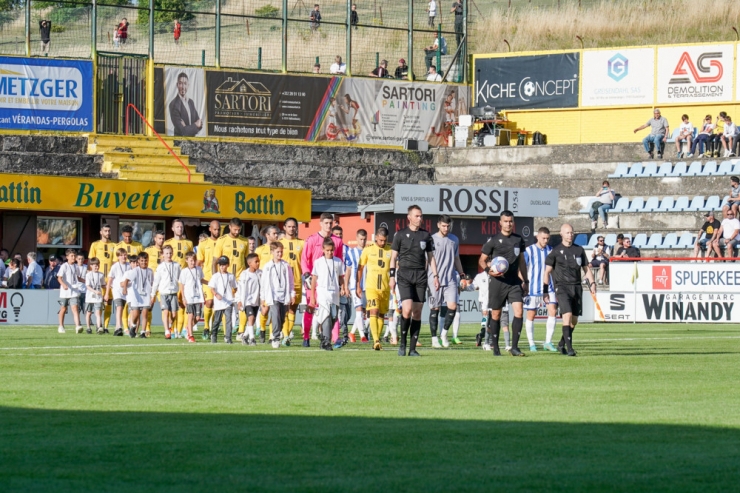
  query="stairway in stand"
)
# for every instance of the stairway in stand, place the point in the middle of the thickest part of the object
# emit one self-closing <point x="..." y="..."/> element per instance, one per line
<point x="142" y="158"/>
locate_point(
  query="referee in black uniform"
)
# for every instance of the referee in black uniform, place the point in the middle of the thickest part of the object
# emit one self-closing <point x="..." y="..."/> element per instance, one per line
<point x="565" y="263"/>
<point x="506" y="287"/>
<point x="412" y="250"/>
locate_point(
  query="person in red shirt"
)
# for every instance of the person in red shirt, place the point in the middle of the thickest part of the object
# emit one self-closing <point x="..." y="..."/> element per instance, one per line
<point x="178" y="31"/>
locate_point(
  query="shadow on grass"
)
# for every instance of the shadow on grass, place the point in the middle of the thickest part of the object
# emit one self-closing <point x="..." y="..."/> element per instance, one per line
<point x="52" y="450"/>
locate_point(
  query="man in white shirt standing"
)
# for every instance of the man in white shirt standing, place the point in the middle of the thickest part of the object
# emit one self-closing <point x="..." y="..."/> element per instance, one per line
<point x="728" y="235"/>
<point x="433" y="76"/>
<point x="338" y="67"/>
<point x="432" y="9"/>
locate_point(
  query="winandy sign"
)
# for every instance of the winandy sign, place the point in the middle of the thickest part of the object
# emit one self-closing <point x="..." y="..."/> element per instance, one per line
<point x="669" y="307"/>
<point x="477" y="201"/>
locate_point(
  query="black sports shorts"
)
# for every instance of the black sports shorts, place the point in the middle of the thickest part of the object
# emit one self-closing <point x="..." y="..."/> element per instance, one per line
<point x="570" y="299"/>
<point x="412" y="284"/>
<point x="500" y="292"/>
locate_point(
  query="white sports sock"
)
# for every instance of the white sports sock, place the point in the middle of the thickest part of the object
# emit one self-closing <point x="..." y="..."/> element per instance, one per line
<point x="315" y="326"/>
<point x="250" y="331"/>
<point x="529" y="325"/>
<point x="387" y="329"/>
<point x="456" y="323"/>
<point x="550" y="329"/>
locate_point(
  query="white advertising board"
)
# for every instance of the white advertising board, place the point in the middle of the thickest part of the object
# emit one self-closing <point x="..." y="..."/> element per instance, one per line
<point x="618" y="77"/>
<point x="675" y="277"/>
<point x="655" y="306"/>
<point x="696" y="74"/>
<point x="477" y="201"/>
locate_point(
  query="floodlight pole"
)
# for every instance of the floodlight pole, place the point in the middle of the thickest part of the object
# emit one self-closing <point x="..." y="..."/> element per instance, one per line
<point x="94" y="30"/>
<point x="410" y="55"/>
<point x="28" y="28"/>
<point x="151" y="30"/>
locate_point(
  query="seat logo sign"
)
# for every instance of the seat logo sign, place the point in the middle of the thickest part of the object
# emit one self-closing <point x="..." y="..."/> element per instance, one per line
<point x="662" y="277"/>
<point x="618" y="67"/>
<point x="708" y="69"/>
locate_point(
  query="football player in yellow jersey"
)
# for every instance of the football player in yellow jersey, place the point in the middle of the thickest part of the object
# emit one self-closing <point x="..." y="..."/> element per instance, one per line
<point x="235" y="247"/>
<point x="263" y="251"/>
<point x="180" y="246"/>
<point x="105" y="251"/>
<point x="205" y="262"/>
<point x="292" y="248"/>
<point x="132" y="247"/>
<point x="377" y="260"/>
<point x="155" y="257"/>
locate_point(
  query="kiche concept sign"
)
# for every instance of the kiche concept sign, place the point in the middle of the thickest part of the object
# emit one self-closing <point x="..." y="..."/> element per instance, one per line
<point x="44" y="94"/>
<point x="539" y="81"/>
<point x="617" y="77"/>
<point x="695" y="74"/>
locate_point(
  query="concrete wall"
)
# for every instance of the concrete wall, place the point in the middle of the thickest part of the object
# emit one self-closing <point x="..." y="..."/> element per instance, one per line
<point x="48" y="155"/>
<point x="335" y="173"/>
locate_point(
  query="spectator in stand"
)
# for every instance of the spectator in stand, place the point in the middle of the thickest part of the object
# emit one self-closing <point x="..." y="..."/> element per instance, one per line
<point x="734" y="201"/>
<point x="685" y="134"/>
<point x="715" y="138"/>
<point x="727" y="236"/>
<point x="402" y="71"/>
<point x="177" y="31"/>
<point x="34" y="273"/>
<point x="432" y="10"/>
<point x="620" y="243"/>
<point x="627" y="250"/>
<point x="315" y="18"/>
<point x="604" y="201"/>
<point x="728" y="136"/>
<point x="430" y="52"/>
<point x="702" y="138"/>
<point x="15" y="275"/>
<point x="381" y="71"/>
<point x="45" y="34"/>
<point x="457" y="9"/>
<point x="600" y="258"/>
<point x="317" y="69"/>
<point x="433" y="76"/>
<point x="338" y="67"/>
<point x="354" y="19"/>
<point x="709" y="232"/>
<point x="52" y="272"/>
<point x="659" y="130"/>
<point x="122" y="31"/>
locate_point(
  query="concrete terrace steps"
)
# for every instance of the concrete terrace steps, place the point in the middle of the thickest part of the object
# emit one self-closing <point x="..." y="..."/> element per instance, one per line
<point x="142" y="158"/>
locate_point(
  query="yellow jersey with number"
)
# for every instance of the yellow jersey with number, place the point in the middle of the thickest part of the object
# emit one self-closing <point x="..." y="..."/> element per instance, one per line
<point x="292" y="250"/>
<point x="179" y="249"/>
<point x="133" y="248"/>
<point x="376" y="263"/>
<point x="205" y="257"/>
<point x="235" y="249"/>
<point x="105" y="252"/>
<point x="155" y="256"/>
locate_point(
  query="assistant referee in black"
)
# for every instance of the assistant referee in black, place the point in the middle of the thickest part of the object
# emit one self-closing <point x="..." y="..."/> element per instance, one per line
<point x="565" y="263"/>
<point x="412" y="252"/>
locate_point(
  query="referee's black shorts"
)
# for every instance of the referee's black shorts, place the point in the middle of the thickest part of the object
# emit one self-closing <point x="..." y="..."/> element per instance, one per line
<point x="412" y="284"/>
<point x="570" y="299"/>
<point x="499" y="292"/>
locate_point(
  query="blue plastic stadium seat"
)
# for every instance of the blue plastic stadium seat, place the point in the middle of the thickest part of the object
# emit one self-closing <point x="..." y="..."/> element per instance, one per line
<point x="581" y="239"/>
<point x="655" y="241"/>
<point x="610" y="239"/>
<point x="622" y="169"/>
<point x="666" y="205"/>
<point x="694" y="169"/>
<point x="673" y="136"/>
<point x="697" y="204"/>
<point x="686" y="241"/>
<point x="735" y="166"/>
<point x="587" y="209"/>
<point x="592" y="241"/>
<point x="635" y="171"/>
<point x="651" y="204"/>
<point x="710" y="169"/>
<point x="670" y="240"/>
<point x="640" y="240"/>
<point x="637" y="205"/>
<point x="712" y="203"/>
<point x="679" y="169"/>
<point x="622" y="205"/>
<point x="650" y="169"/>
<point x="682" y="203"/>
<point x="725" y="168"/>
<point x="665" y="169"/>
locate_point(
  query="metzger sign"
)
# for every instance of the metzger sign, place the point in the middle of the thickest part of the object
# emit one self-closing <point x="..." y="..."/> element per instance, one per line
<point x="693" y="74"/>
<point x="45" y="94"/>
<point x="540" y="81"/>
<point x="477" y="201"/>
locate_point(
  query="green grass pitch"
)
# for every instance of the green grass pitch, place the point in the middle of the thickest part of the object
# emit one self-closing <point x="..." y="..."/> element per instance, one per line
<point x="642" y="408"/>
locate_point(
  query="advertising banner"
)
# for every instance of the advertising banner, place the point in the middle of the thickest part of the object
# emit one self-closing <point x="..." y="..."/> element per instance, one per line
<point x="655" y="306"/>
<point x="618" y="77"/>
<point x="388" y="112"/>
<point x="46" y="94"/>
<point x="184" y="92"/>
<point x="470" y="231"/>
<point x="695" y="74"/>
<point x="675" y="277"/>
<point x="477" y="201"/>
<point x="521" y="82"/>
<point x="79" y="194"/>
